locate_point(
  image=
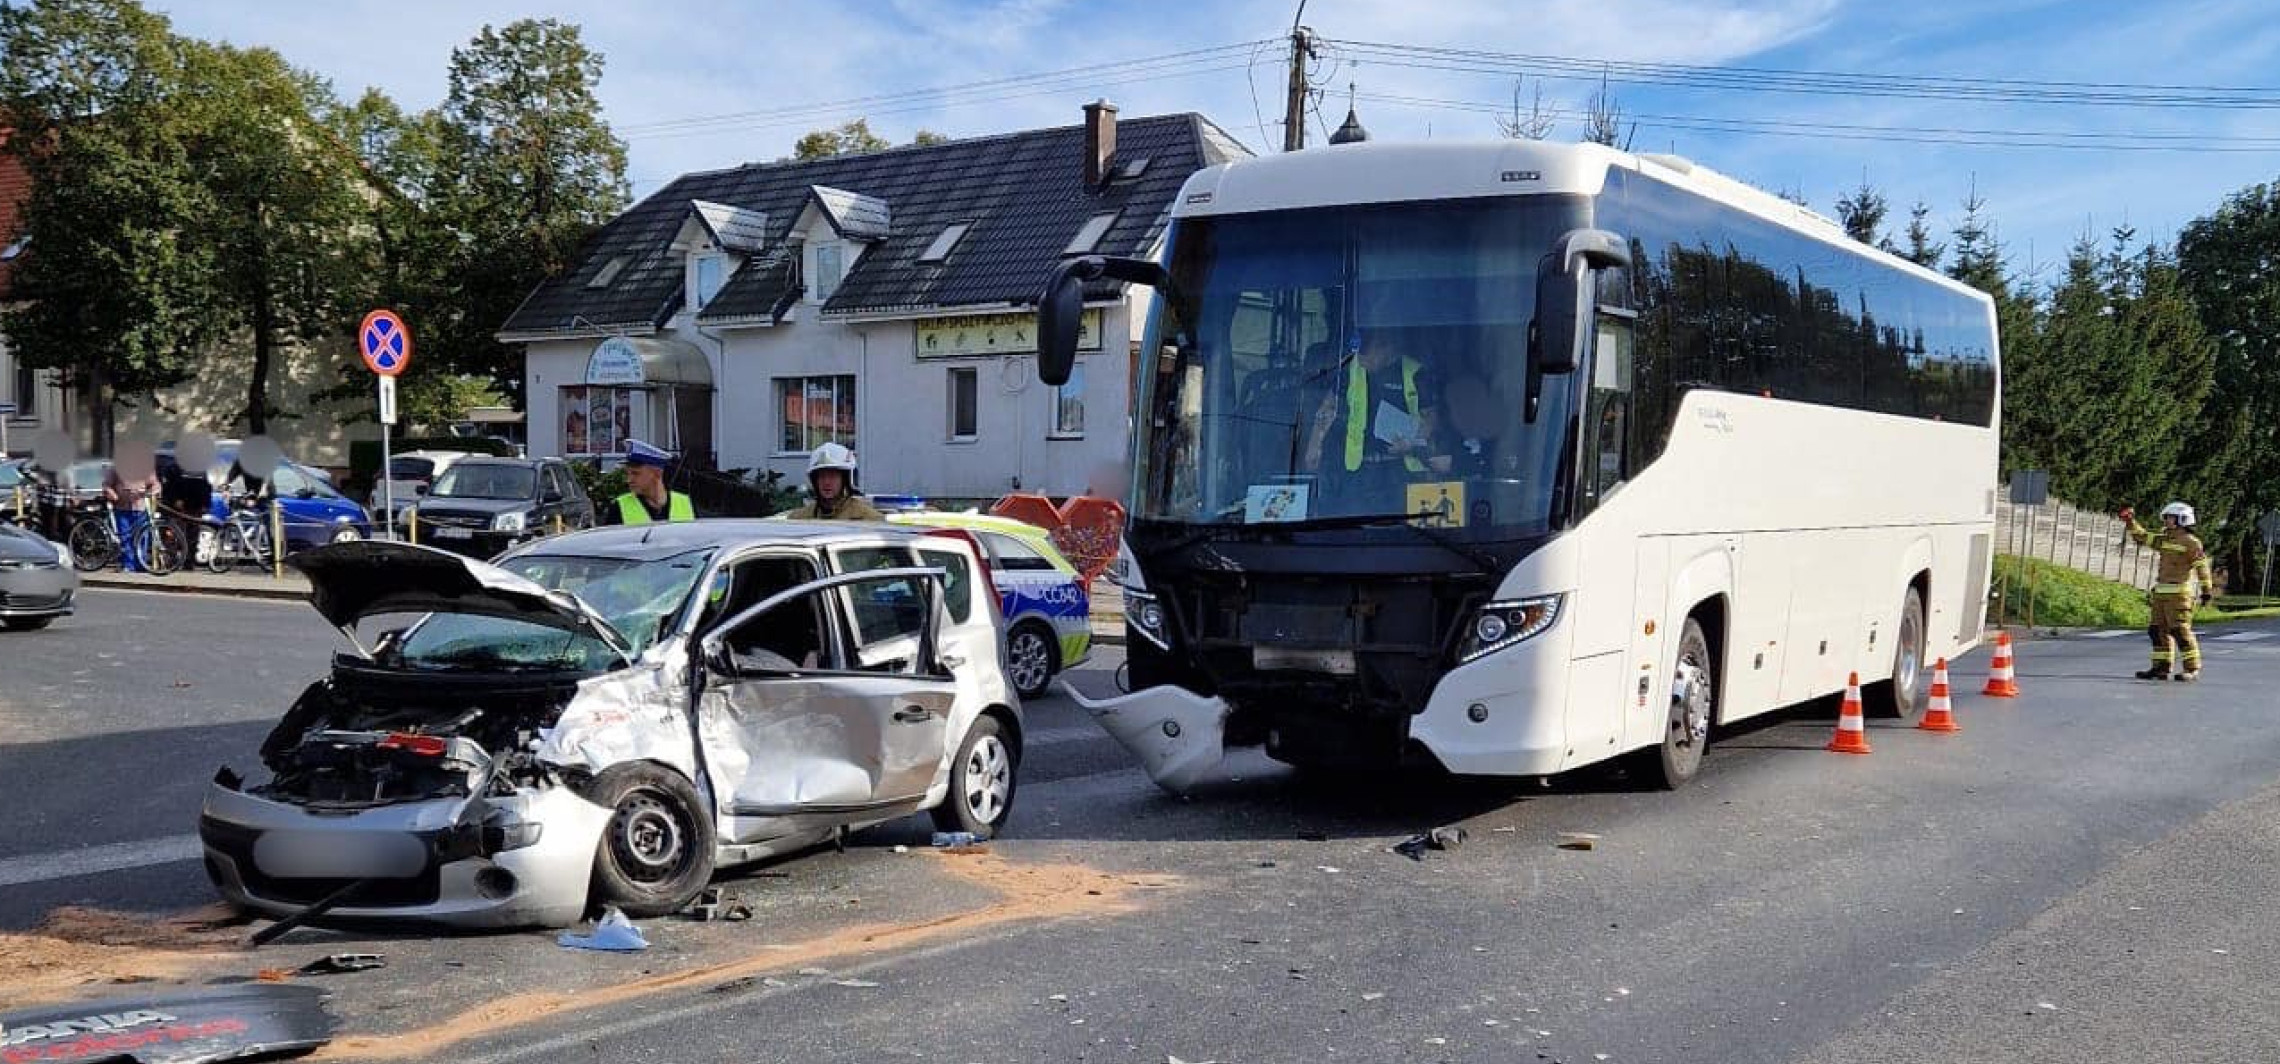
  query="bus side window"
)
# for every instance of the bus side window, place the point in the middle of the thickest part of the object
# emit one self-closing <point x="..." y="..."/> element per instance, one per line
<point x="1608" y="411"/>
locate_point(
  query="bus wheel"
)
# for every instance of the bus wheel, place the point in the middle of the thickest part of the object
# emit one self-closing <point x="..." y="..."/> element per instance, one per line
<point x="1693" y="706"/>
<point x="1904" y="695"/>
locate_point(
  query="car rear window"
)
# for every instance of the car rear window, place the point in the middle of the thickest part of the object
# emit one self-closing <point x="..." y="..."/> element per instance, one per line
<point x="411" y="469"/>
<point x="1014" y="555"/>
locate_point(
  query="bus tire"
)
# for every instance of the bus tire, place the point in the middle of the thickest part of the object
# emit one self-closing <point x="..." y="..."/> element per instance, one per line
<point x="1904" y="696"/>
<point x="1670" y="763"/>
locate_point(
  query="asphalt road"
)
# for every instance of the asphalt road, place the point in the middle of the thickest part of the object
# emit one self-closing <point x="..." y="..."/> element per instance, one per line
<point x="2081" y="874"/>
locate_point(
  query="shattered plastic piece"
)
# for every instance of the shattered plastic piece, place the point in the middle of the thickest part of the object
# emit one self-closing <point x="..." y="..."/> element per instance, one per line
<point x="2046" y="1006"/>
<point x="1623" y="991"/>
<point x="613" y="933"/>
<point x="1599" y="1056"/>
<point x="1373" y="995"/>
<point x="1332" y="869"/>
<point x="342" y="963"/>
<point x="1503" y="831"/>
<point x="215" y="1024"/>
<point x="1177" y="735"/>
<point x="1436" y="1041"/>
<point x="1578" y="840"/>
<point x="1445" y="838"/>
<point x="859" y="984"/>
<point x="1057" y="997"/>
<point x="737" y="913"/>
<point x="944" y="840"/>
<point x="902" y="849"/>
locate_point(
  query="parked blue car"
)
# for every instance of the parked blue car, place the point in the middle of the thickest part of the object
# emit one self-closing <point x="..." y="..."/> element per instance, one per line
<point x="315" y="513"/>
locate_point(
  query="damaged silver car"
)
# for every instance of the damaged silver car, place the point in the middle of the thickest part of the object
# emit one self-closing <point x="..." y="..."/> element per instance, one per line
<point x="606" y="717"/>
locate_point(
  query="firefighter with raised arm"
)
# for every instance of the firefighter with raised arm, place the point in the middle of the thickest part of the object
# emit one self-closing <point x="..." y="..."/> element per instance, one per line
<point x="2181" y="582"/>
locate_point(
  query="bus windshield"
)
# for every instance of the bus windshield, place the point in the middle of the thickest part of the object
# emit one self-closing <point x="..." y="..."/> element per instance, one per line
<point x="1355" y="361"/>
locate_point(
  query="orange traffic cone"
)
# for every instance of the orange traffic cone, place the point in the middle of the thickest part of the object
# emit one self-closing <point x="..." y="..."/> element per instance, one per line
<point x="2001" y="681"/>
<point x="1852" y="730"/>
<point x="1940" y="715"/>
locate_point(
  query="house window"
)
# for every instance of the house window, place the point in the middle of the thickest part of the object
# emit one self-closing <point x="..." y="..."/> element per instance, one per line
<point x="1088" y="237"/>
<point x="1069" y="405"/>
<point x="828" y="267"/>
<point x="816" y="410"/>
<point x="27" y="391"/>
<point x="608" y="274"/>
<point x="965" y="393"/>
<point x="943" y="244"/>
<point x="707" y="273"/>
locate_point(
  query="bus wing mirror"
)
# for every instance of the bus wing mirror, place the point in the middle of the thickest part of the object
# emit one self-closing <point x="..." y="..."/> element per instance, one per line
<point x="1564" y="291"/>
<point x="1061" y="306"/>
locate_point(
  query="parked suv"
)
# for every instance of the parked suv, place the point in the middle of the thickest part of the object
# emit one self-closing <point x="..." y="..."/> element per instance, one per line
<point x="482" y="506"/>
<point x="410" y="475"/>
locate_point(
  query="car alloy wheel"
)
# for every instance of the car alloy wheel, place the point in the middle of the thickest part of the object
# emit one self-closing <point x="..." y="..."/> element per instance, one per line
<point x="988" y="778"/>
<point x="1029" y="661"/>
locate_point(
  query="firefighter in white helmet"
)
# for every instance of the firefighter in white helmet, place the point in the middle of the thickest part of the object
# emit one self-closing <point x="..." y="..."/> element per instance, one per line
<point x="2181" y="581"/>
<point x="831" y="484"/>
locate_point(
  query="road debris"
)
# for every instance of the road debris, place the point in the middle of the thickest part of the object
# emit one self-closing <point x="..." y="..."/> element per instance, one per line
<point x="344" y="963"/>
<point x="858" y="984"/>
<point x="613" y="933"/>
<point x="274" y="975"/>
<point x="1578" y="840"/>
<point x="1444" y="838"/>
<point x="228" y="1023"/>
<point x="1374" y="995"/>
<point x="1331" y="869"/>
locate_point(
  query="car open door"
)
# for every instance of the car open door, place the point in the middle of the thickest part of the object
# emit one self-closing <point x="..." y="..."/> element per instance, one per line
<point x="811" y="718"/>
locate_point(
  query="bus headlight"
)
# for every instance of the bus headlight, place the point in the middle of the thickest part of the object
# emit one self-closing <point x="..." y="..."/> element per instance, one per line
<point x="1503" y="624"/>
<point x="1146" y="616"/>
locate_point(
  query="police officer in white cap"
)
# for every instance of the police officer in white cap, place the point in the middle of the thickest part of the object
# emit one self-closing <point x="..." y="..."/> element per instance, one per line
<point x="649" y="501"/>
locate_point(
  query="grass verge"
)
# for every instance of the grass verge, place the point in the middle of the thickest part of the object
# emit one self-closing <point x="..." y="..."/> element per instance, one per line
<point x="2067" y="598"/>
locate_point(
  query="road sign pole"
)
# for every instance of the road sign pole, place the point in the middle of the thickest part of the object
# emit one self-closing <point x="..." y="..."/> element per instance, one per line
<point x="387" y="454"/>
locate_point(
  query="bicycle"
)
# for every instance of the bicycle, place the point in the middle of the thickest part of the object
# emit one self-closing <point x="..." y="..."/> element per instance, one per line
<point x="244" y="536"/>
<point x="96" y="544"/>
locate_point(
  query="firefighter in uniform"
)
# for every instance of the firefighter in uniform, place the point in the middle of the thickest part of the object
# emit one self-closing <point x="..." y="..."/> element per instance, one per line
<point x="649" y="501"/>
<point x="2182" y="581"/>
<point x="831" y="480"/>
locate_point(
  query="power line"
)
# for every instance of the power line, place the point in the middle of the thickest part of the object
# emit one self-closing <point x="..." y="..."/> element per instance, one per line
<point x="1174" y="64"/>
<point x="1995" y="138"/>
<point x="1812" y="82"/>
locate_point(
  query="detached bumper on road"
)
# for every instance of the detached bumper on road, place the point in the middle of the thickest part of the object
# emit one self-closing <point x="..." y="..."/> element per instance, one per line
<point x="419" y="863"/>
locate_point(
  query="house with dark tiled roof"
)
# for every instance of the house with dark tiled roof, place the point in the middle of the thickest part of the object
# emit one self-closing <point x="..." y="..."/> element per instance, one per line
<point x="883" y="301"/>
<point x="30" y="396"/>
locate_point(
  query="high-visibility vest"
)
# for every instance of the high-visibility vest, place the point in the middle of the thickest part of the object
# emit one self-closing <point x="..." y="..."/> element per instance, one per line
<point x="632" y="511"/>
<point x="1358" y="409"/>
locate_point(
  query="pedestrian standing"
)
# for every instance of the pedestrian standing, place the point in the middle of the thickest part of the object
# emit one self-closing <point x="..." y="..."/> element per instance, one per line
<point x="2182" y="580"/>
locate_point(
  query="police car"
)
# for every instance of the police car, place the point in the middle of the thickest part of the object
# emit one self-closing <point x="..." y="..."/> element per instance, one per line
<point x="1047" y="607"/>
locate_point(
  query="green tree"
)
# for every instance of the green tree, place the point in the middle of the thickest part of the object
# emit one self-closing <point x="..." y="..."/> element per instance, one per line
<point x="528" y="170"/>
<point x="927" y="138"/>
<point x="117" y="291"/>
<point x="287" y="197"/>
<point x="2227" y="266"/>
<point x="1921" y="250"/>
<point x="1862" y="212"/>
<point x="852" y="138"/>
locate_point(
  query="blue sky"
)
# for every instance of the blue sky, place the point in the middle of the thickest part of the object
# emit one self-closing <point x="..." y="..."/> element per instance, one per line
<point x="675" y="60"/>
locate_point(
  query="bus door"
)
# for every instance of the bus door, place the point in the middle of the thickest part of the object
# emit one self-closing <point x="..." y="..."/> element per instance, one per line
<point x="1603" y="694"/>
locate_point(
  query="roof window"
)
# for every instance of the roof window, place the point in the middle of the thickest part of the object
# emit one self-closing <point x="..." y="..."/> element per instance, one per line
<point x="609" y="272"/>
<point x="1088" y="237"/>
<point x="944" y="243"/>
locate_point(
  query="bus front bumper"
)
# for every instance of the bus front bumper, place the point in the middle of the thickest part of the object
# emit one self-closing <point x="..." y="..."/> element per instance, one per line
<point x="1178" y="735"/>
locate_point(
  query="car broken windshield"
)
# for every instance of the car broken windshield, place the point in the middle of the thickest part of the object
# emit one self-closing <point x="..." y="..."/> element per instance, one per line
<point x="640" y="599"/>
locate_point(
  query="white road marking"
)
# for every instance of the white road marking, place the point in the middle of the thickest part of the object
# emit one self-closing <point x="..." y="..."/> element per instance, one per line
<point x="2114" y="634"/>
<point x="90" y="860"/>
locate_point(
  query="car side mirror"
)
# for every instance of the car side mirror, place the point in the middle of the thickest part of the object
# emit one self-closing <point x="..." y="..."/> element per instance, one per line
<point x="305" y="493"/>
<point x="551" y="495"/>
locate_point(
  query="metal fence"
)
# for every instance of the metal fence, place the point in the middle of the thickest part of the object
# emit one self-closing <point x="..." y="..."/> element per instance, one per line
<point x="2088" y="542"/>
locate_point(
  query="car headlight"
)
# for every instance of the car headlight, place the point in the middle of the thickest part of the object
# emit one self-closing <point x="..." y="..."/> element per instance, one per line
<point x="1508" y="623"/>
<point x="63" y="555"/>
<point x="512" y="521"/>
<point x="1146" y="616"/>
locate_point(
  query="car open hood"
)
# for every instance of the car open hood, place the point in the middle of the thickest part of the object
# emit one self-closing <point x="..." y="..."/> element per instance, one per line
<point x="351" y="581"/>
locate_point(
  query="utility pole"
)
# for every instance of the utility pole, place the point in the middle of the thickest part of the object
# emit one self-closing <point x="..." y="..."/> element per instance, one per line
<point x="1294" y="102"/>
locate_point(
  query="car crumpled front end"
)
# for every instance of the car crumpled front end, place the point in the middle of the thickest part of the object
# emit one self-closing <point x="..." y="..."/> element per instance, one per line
<point x="401" y="788"/>
<point x="436" y="811"/>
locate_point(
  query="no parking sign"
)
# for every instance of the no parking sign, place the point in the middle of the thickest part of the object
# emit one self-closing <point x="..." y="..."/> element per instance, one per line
<point x="384" y="342"/>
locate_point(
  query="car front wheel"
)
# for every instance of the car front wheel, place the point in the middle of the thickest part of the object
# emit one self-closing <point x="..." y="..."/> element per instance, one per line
<point x="981" y="782"/>
<point x="346" y="534"/>
<point x="657" y="853"/>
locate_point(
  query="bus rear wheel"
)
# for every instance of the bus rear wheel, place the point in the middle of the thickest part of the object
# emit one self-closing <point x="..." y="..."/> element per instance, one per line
<point x="1904" y="696"/>
<point x="1669" y="764"/>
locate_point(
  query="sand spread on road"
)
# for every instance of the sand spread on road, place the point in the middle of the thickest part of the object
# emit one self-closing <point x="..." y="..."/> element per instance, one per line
<point x="79" y="950"/>
<point x="1026" y="893"/>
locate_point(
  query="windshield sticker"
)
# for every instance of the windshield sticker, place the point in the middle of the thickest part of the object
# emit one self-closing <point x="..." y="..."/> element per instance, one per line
<point x="1276" y="502"/>
<point x="1444" y="500"/>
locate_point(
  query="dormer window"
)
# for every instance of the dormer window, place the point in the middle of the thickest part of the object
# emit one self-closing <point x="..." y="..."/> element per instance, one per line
<point x="708" y="271"/>
<point x="830" y="267"/>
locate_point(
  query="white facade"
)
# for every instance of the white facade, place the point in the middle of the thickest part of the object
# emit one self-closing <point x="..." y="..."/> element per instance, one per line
<point x="912" y="432"/>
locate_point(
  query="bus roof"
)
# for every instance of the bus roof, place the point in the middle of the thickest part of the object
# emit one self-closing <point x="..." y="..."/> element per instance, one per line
<point x="1387" y="172"/>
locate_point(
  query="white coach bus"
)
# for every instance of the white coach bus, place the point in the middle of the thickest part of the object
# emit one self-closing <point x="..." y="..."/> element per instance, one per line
<point x="1516" y="457"/>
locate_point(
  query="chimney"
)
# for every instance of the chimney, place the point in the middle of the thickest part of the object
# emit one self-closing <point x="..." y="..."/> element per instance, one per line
<point x="1100" y="141"/>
